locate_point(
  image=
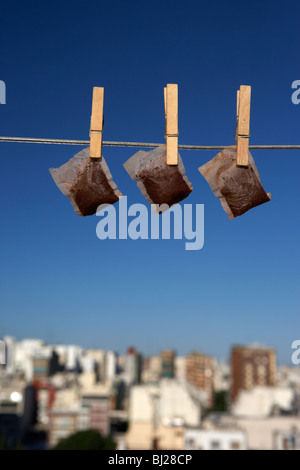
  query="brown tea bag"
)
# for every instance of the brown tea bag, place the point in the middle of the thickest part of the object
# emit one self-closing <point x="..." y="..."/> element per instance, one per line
<point x="238" y="188"/>
<point x="87" y="182"/>
<point x="159" y="183"/>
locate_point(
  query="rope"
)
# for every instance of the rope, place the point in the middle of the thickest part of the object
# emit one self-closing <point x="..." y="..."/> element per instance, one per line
<point x="29" y="140"/>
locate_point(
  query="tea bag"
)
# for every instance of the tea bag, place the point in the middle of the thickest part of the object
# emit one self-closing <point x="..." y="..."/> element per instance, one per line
<point x="87" y="182"/>
<point x="238" y="188"/>
<point x="159" y="183"/>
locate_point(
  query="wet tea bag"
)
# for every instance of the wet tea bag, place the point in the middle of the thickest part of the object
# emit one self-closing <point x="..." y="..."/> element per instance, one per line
<point x="238" y="187"/>
<point x="159" y="183"/>
<point x="87" y="182"/>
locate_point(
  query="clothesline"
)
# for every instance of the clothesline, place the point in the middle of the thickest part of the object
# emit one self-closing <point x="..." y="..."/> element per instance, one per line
<point x="139" y="144"/>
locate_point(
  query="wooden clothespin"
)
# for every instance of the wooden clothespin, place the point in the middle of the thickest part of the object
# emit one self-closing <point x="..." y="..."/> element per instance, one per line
<point x="243" y="124"/>
<point x="96" y="123"/>
<point x="171" y="128"/>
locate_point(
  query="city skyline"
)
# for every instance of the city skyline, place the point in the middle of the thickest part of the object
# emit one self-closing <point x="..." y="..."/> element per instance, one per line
<point x="156" y="353"/>
<point x="50" y="393"/>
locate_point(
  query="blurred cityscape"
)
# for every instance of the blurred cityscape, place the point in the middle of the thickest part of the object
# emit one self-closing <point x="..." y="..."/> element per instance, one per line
<point x="163" y="402"/>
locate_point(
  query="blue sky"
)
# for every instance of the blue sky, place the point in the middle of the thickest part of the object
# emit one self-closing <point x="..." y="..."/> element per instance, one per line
<point x="58" y="280"/>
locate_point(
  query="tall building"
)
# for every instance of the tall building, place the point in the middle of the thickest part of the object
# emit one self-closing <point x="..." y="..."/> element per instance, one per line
<point x="180" y="364"/>
<point x="98" y="412"/>
<point x="73" y="357"/>
<point x="159" y="414"/>
<point x="133" y="366"/>
<point x="151" y="369"/>
<point x="2" y="354"/>
<point x="251" y="366"/>
<point x="62" y="423"/>
<point x="17" y="410"/>
<point x="200" y="373"/>
<point x="26" y="350"/>
<point x="71" y="412"/>
<point x="167" y="363"/>
<point x="110" y="365"/>
<point x="45" y="365"/>
<point x="10" y="344"/>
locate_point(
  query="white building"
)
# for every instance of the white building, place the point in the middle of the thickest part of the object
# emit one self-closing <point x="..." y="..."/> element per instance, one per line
<point x="26" y="350"/>
<point x="10" y="344"/>
<point x="215" y="439"/>
<point x="132" y="367"/>
<point x="104" y="362"/>
<point x="171" y="401"/>
<point x="177" y="403"/>
<point x="273" y="433"/>
<point x="2" y="353"/>
<point x="12" y="395"/>
<point x="141" y="403"/>
<point x="110" y="366"/>
<point x="73" y="357"/>
<point x="159" y="413"/>
<point x="88" y="364"/>
<point x="152" y="371"/>
<point x="180" y="368"/>
<point x="289" y="377"/>
<point x="221" y="376"/>
<point x="287" y="440"/>
<point x="261" y="401"/>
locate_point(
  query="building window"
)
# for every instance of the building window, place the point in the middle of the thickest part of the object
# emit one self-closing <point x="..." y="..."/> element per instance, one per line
<point x="215" y="445"/>
<point x="235" y="445"/>
<point x="190" y="443"/>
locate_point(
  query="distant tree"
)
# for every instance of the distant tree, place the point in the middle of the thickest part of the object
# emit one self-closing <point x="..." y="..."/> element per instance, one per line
<point x="86" y="440"/>
<point x="220" y="401"/>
